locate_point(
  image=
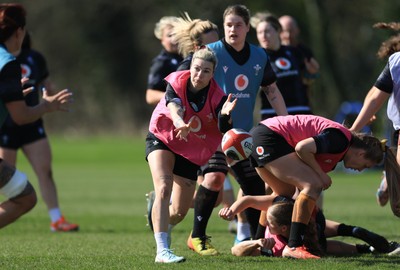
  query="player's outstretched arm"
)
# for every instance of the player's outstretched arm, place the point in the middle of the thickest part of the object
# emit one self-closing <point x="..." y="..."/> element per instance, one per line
<point x="23" y="114"/>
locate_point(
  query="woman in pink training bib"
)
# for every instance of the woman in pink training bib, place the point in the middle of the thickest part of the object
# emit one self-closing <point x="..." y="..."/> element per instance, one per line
<point x="296" y="152"/>
<point x="185" y="131"/>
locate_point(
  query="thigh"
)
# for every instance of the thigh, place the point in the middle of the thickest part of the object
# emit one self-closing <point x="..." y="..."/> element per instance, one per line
<point x="278" y="186"/>
<point x="9" y="155"/>
<point x="161" y="163"/>
<point x="38" y="153"/>
<point x="291" y="170"/>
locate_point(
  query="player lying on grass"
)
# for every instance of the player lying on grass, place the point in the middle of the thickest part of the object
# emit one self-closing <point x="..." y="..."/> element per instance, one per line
<point x="277" y="220"/>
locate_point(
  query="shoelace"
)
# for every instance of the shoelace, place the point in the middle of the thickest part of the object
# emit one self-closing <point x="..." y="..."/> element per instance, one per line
<point x="168" y="253"/>
<point x="204" y="242"/>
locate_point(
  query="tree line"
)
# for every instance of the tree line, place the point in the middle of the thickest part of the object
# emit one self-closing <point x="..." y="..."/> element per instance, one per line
<point x="102" y="51"/>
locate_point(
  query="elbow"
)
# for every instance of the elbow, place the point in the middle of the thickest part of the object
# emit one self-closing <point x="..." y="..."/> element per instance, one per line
<point x="150" y="101"/>
<point x="236" y="252"/>
<point x="298" y="148"/>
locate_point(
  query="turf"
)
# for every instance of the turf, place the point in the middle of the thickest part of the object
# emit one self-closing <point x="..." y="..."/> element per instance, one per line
<point x="102" y="183"/>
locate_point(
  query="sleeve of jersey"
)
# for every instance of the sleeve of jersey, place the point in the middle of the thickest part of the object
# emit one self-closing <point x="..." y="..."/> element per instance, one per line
<point x="10" y="82"/>
<point x="331" y="140"/>
<point x="170" y="95"/>
<point x="223" y="120"/>
<point x="156" y="77"/>
<point x="384" y="81"/>
<point x="269" y="75"/>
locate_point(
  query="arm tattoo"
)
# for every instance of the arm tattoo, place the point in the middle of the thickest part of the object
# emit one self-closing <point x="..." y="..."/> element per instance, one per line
<point x="181" y="111"/>
<point x="178" y="107"/>
<point x="269" y="92"/>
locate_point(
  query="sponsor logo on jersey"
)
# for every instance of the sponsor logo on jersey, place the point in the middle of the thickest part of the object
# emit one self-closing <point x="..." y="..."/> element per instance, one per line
<point x="241" y="82"/>
<point x="283" y="63"/>
<point x="260" y="150"/>
<point x="196" y="123"/>
<point x="25" y="71"/>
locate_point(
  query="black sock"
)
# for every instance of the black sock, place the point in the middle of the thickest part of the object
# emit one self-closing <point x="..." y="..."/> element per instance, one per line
<point x="377" y="241"/>
<point x="252" y="216"/>
<point x="345" y="230"/>
<point x="297" y="231"/>
<point x="251" y="184"/>
<point x="203" y="206"/>
<point x="363" y="248"/>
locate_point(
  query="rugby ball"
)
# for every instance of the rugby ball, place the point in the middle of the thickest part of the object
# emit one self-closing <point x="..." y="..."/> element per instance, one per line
<point x="237" y="144"/>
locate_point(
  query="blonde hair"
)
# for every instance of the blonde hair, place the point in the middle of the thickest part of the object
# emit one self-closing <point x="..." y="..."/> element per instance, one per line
<point x="188" y="33"/>
<point x="164" y="22"/>
<point x="206" y="54"/>
<point x="265" y="17"/>
<point x="391" y="45"/>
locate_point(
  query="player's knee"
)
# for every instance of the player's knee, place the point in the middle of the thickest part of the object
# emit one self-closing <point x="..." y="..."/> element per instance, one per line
<point x="164" y="192"/>
<point x="177" y="217"/>
<point x="214" y="180"/>
<point x="314" y="187"/>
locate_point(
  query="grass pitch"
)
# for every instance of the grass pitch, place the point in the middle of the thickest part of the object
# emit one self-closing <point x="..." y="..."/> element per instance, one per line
<point x="102" y="184"/>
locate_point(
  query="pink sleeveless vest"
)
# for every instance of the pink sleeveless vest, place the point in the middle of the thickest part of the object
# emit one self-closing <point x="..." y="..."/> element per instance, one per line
<point x="205" y="137"/>
<point x="295" y="128"/>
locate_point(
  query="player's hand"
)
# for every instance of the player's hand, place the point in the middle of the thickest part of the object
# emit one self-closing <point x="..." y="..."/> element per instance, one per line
<point x="184" y="130"/>
<point x="226" y="213"/>
<point x="312" y="66"/>
<point x="60" y="101"/>
<point x="28" y="90"/>
<point x="267" y="243"/>
<point x="228" y="105"/>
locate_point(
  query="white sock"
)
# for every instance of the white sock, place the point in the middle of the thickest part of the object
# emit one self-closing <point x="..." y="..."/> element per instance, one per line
<point x="161" y="240"/>
<point x="243" y="231"/>
<point x="55" y="214"/>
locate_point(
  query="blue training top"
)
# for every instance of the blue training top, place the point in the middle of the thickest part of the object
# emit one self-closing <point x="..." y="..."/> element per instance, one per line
<point x="242" y="81"/>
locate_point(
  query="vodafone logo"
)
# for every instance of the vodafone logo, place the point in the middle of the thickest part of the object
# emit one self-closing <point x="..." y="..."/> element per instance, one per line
<point x="283" y="63"/>
<point x="260" y="150"/>
<point x="25" y="70"/>
<point x="241" y="82"/>
<point x="196" y="123"/>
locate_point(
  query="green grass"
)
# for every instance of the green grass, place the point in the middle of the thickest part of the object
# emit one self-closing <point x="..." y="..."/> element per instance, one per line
<point x="102" y="184"/>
